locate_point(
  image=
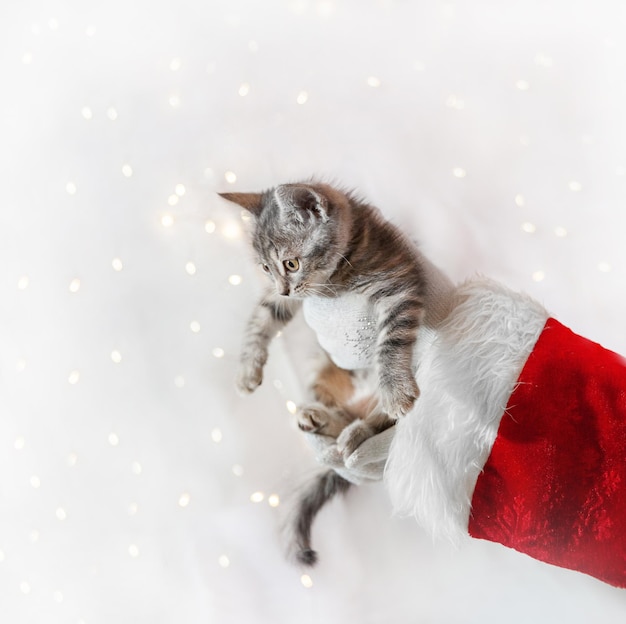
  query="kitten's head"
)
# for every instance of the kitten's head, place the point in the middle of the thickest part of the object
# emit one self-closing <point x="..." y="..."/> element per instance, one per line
<point x="300" y="232"/>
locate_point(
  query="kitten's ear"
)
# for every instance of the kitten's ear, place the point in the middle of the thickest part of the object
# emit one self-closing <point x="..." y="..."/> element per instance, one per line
<point x="303" y="201"/>
<point x="252" y="202"/>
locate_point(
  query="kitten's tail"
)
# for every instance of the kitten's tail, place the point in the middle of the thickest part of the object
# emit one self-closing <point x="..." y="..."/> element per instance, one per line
<point x="317" y="493"/>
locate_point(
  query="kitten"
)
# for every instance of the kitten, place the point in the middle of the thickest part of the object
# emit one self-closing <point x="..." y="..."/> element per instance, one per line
<point x="321" y="246"/>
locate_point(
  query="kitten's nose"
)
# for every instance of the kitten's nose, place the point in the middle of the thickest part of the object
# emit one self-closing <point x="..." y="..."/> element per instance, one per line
<point x="285" y="291"/>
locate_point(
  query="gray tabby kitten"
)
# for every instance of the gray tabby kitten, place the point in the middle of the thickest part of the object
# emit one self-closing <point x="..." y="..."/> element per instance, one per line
<point x="314" y="240"/>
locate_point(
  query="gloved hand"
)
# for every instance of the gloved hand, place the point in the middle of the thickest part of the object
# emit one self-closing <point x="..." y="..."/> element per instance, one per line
<point x="365" y="464"/>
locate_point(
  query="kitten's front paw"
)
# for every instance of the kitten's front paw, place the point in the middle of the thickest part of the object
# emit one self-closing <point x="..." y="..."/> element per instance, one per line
<point x="249" y="378"/>
<point x="398" y="398"/>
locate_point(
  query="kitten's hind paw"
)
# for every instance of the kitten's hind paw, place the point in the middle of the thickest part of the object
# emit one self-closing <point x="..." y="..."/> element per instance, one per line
<point x="353" y="436"/>
<point x="312" y="418"/>
<point x="317" y="418"/>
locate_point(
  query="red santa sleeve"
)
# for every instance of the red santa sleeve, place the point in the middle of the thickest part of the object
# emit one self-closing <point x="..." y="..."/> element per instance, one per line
<point x="554" y="484"/>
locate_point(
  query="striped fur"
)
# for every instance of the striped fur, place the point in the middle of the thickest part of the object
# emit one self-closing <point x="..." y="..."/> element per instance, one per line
<point x="340" y="244"/>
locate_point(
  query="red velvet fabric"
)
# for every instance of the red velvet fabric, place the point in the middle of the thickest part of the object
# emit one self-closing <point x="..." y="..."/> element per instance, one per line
<point x="554" y="486"/>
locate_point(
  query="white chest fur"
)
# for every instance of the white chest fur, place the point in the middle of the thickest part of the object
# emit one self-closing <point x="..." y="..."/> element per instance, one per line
<point x="345" y="328"/>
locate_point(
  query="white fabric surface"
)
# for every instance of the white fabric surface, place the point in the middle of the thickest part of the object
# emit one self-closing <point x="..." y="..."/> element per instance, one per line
<point x="492" y="132"/>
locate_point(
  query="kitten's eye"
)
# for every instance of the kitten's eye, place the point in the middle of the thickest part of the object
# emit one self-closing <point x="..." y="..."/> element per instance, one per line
<point x="292" y="265"/>
<point x="265" y="268"/>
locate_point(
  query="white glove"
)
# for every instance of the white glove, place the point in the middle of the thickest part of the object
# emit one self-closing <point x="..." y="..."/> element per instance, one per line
<point x="364" y="465"/>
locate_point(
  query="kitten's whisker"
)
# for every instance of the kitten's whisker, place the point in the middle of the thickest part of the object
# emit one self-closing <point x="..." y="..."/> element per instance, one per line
<point x="328" y="287"/>
<point x="346" y="259"/>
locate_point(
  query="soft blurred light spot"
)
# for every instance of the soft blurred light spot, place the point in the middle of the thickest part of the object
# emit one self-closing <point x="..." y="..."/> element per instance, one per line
<point x="34" y="536"/>
<point x="133" y="551"/>
<point x="112" y="113"/>
<point x="74" y="377"/>
<point x="20" y="366"/>
<point x="25" y="587"/>
<point x="173" y="199"/>
<point x="53" y="23"/>
<point x="58" y="597"/>
<point x="180" y="189"/>
<point x="190" y="268"/>
<point x="133" y="508"/>
<point x="522" y="85"/>
<point x="209" y="226"/>
<point x="179" y="381"/>
<point x="184" y="499"/>
<point x="373" y="81"/>
<point x="273" y="500"/>
<point x="71" y="460"/>
<point x="519" y="200"/>
<point x="234" y="280"/>
<point x="174" y="100"/>
<point x="231" y="230"/>
<point x="604" y="267"/>
<point x="237" y="470"/>
<point x="22" y="282"/>
<point x="114" y="439"/>
<point x="257" y="497"/>
<point x="253" y="46"/>
<point x="459" y="172"/>
<point x="136" y="468"/>
<point x="306" y="580"/>
<point x="230" y="177"/>
<point x="194" y="326"/>
<point x="167" y="220"/>
<point x="117" y="264"/>
<point x="575" y="186"/>
<point x="325" y="8"/>
<point x="543" y="60"/>
<point x="175" y="64"/>
<point x="216" y="435"/>
<point x="529" y="228"/>
<point x="524" y="140"/>
<point x="35" y="481"/>
<point x="302" y="97"/>
<point x="127" y="170"/>
<point x="61" y="514"/>
<point x="455" y="102"/>
<point x="116" y="356"/>
<point x="19" y="443"/>
<point x="218" y="352"/>
<point x="86" y="112"/>
<point x="244" y="89"/>
<point x="71" y="189"/>
<point x="27" y="58"/>
<point x="538" y="276"/>
<point x="291" y="407"/>
<point x="75" y="285"/>
<point x="223" y="561"/>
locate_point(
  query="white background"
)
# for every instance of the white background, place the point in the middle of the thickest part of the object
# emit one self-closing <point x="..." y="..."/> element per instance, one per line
<point x="494" y="132"/>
